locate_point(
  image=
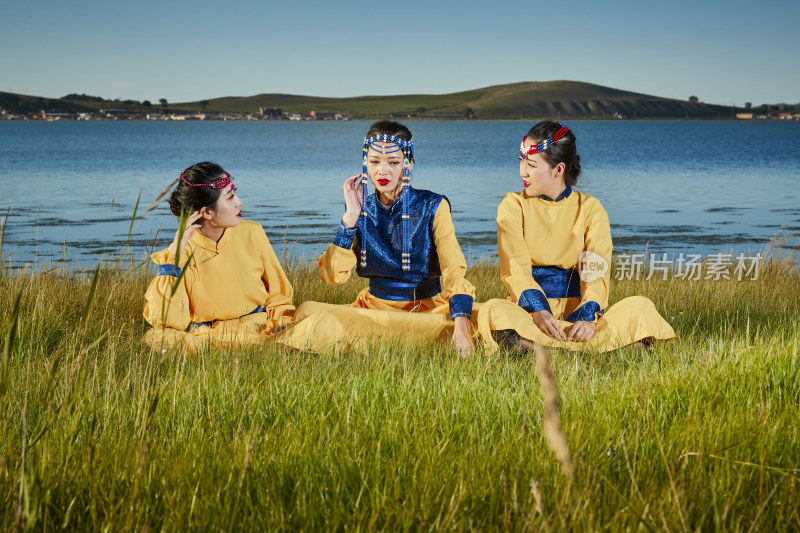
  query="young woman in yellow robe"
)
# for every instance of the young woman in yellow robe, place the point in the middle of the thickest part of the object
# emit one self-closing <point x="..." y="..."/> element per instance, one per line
<point x="222" y="283"/>
<point x="403" y="240"/>
<point x="554" y="245"/>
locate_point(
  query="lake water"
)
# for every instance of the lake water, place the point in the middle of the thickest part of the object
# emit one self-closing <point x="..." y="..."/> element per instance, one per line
<point x="695" y="187"/>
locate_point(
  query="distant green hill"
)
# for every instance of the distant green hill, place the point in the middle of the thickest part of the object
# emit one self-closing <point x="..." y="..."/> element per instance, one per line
<point x="568" y="99"/>
<point x="565" y="99"/>
<point x="21" y="103"/>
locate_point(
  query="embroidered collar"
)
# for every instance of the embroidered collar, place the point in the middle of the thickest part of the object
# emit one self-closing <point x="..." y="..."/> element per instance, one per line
<point x="397" y="203"/>
<point x="564" y="194"/>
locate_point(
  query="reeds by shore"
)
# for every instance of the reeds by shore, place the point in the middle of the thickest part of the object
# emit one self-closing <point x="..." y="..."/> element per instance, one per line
<point x="99" y="433"/>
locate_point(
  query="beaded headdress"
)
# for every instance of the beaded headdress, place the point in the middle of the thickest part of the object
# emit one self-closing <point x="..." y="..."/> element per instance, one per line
<point x="219" y="183"/>
<point x="544" y="145"/>
<point x="395" y="145"/>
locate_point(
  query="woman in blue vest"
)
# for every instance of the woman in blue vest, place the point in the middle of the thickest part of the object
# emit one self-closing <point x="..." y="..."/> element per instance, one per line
<point x="402" y="239"/>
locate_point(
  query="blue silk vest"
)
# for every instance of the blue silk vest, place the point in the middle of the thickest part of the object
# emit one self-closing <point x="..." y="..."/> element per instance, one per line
<point x="384" y="239"/>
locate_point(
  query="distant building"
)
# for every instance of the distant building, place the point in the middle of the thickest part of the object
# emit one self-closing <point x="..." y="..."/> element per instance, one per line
<point x="49" y="115"/>
<point x="270" y="112"/>
<point x="326" y="115"/>
<point x="113" y="112"/>
<point x="745" y="116"/>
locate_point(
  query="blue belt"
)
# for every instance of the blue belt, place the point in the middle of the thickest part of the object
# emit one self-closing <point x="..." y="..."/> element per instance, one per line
<point x="195" y="325"/>
<point x="558" y="282"/>
<point x="402" y="291"/>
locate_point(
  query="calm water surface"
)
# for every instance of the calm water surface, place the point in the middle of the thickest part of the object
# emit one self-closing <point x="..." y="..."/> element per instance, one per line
<point x="697" y="187"/>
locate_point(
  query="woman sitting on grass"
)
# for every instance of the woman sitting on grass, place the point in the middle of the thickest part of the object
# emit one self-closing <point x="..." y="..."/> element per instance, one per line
<point x="219" y="281"/>
<point x="403" y="240"/>
<point x="554" y="245"/>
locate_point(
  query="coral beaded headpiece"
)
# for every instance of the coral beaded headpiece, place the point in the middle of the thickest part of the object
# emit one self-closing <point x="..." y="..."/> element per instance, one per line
<point x="219" y="183"/>
<point x="544" y="145"/>
<point x="394" y="145"/>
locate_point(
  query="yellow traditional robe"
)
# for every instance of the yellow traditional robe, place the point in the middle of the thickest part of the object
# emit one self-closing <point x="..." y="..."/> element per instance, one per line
<point x="539" y="232"/>
<point x="320" y="326"/>
<point x="222" y="285"/>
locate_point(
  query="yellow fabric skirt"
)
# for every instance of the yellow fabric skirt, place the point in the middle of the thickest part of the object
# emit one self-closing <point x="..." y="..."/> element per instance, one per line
<point x="320" y="327"/>
<point x="248" y="330"/>
<point x="630" y="320"/>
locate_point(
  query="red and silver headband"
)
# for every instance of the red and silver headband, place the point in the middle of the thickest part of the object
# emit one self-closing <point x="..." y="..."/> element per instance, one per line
<point x="219" y="183"/>
<point x="544" y="145"/>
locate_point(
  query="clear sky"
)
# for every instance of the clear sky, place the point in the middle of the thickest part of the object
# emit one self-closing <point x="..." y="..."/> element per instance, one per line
<point x="723" y="52"/>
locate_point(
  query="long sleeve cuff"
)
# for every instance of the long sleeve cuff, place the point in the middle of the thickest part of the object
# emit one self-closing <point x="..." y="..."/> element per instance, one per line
<point x="586" y="312"/>
<point x="460" y="305"/>
<point x="344" y="237"/>
<point x="169" y="270"/>
<point x="533" y="300"/>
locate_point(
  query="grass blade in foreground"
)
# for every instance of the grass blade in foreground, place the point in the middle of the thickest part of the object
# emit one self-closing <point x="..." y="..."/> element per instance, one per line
<point x="556" y="440"/>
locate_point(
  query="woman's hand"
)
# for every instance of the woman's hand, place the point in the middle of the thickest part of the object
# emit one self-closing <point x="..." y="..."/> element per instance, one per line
<point x="191" y="227"/>
<point x="546" y="322"/>
<point x="352" y="201"/>
<point x="461" y="337"/>
<point x="581" y="331"/>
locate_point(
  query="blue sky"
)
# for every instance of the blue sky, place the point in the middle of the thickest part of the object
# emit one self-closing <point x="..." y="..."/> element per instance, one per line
<point x="722" y="52"/>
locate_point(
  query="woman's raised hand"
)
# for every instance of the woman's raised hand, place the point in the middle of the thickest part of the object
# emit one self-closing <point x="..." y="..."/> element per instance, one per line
<point x="546" y="322"/>
<point x="352" y="201"/>
<point x="191" y="227"/>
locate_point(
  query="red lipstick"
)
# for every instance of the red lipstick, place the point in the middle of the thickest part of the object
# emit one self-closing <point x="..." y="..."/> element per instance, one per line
<point x="383" y="182"/>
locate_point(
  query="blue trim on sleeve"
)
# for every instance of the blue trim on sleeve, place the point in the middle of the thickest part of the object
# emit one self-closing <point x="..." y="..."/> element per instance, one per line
<point x="344" y="237"/>
<point x="533" y="300"/>
<point x="169" y="270"/>
<point x="460" y="305"/>
<point x="586" y="312"/>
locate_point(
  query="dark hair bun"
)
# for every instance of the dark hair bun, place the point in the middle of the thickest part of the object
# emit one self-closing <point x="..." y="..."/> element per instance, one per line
<point x="575" y="168"/>
<point x="175" y="203"/>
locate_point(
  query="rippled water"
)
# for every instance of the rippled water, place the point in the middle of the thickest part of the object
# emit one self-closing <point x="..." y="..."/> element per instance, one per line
<point x="701" y="187"/>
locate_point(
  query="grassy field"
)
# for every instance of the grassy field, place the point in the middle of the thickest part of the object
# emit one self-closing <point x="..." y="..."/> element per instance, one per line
<point x="99" y="434"/>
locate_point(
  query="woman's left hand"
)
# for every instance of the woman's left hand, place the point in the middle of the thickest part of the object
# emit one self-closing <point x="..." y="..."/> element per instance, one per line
<point x="461" y="337"/>
<point x="581" y="331"/>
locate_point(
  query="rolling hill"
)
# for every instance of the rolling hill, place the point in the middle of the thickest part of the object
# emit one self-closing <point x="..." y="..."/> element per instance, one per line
<point x="565" y="99"/>
<point x="568" y="99"/>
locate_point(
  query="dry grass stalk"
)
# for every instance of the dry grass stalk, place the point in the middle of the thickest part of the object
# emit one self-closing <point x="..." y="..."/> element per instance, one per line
<point x="248" y="457"/>
<point x="553" y="433"/>
<point x="537" y="497"/>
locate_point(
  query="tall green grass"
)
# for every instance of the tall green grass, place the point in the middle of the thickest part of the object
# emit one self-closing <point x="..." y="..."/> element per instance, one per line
<point x="100" y="434"/>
